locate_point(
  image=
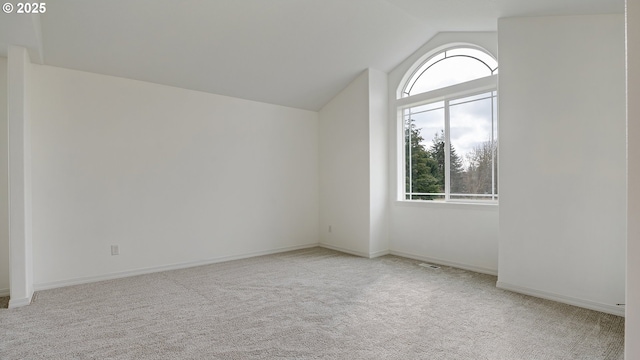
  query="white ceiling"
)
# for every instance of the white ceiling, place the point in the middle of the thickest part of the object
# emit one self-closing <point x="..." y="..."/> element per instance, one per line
<point x="297" y="53"/>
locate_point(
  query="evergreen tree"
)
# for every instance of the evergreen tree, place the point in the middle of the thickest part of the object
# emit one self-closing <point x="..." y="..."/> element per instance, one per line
<point x="425" y="175"/>
<point x="456" y="168"/>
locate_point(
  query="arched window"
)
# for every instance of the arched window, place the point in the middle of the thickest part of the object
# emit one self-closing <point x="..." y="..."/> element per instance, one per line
<point x="450" y="67"/>
<point x="448" y="109"/>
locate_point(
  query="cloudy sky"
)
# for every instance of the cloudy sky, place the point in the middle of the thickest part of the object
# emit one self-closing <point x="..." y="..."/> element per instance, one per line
<point x="470" y="122"/>
<point x="470" y="117"/>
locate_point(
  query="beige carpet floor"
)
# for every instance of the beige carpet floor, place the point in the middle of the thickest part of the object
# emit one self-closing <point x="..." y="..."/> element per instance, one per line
<point x="306" y="304"/>
<point x="4" y="302"/>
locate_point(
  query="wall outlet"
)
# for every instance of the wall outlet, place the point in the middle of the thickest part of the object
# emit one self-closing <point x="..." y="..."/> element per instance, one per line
<point x="329" y="228"/>
<point x="115" y="250"/>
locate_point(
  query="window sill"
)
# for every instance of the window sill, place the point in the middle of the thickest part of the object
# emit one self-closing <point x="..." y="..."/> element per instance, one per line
<point x="487" y="206"/>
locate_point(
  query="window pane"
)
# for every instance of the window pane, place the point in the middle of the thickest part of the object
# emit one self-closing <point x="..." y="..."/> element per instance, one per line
<point x="451" y="146"/>
<point x="480" y="55"/>
<point x="408" y="88"/>
<point x="423" y="108"/>
<point x="449" y="72"/>
<point x="470" y="98"/>
<point x="450" y="67"/>
<point x="472" y="157"/>
<point x="424" y="172"/>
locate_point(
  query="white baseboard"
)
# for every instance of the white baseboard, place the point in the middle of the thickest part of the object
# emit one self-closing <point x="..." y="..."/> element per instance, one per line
<point x="378" y="254"/>
<point x="4" y="292"/>
<point x="14" y="303"/>
<point x="123" y="274"/>
<point x="454" y="264"/>
<point x="344" y="250"/>
<point x="355" y="252"/>
<point x="587" y="304"/>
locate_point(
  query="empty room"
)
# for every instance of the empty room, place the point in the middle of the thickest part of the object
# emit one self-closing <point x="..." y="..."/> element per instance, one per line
<point x="320" y="179"/>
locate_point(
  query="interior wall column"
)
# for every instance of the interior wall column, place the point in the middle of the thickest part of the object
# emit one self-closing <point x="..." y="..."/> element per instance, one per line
<point x="19" y="139"/>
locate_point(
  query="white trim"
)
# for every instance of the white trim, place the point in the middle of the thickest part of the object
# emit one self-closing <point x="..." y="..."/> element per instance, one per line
<point x="587" y="304"/>
<point x="480" y="205"/>
<point x="478" y="269"/>
<point x="469" y="88"/>
<point x="356" y="253"/>
<point x="123" y="274"/>
<point x="378" y="254"/>
<point x="447" y="152"/>
<point x="344" y="250"/>
<point x="4" y="292"/>
<point x="14" y="303"/>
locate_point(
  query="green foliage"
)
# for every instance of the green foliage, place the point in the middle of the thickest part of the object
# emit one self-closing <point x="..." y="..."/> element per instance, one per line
<point x="427" y="166"/>
<point x="426" y="173"/>
<point x="456" y="169"/>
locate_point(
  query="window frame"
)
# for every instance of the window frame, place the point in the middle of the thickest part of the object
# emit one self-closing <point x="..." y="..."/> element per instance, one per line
<point x="445" y="94"/>
<point x="412" y="77"/>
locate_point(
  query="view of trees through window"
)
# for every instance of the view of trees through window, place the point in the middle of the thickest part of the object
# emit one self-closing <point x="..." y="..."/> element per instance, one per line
<point x="451" y="145"/>
<point x="472" y="173"/>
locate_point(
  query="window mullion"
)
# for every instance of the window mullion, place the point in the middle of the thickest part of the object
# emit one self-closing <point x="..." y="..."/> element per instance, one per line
<point x="493" y="148"/>
<point x="408" y="138"/>
<point x="447" y="153"/>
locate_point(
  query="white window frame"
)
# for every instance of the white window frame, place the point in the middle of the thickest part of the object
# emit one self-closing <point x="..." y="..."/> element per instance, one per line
<point x="446" y="94"/>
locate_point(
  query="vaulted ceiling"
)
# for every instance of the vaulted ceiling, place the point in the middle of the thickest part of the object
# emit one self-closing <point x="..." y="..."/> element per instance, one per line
<point x="297" y="53"/>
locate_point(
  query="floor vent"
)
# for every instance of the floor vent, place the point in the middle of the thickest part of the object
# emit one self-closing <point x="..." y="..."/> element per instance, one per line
<point x="431" y="266"/>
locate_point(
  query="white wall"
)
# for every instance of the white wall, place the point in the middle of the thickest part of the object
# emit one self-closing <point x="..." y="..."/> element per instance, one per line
<point x="344" y="169"/>
<point x="632" y="323"/>
<point x="562" y="159"/>
<point x="4" y="185"/>
<point x="20" y="176"/>
<point x="172" y="176"/>
<point x="378" y="163"/>
<point x="354" y="169"/>
<point x="464" y="236"/>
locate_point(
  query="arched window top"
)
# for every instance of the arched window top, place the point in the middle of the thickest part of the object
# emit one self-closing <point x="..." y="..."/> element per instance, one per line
<point x="449" y="67"/>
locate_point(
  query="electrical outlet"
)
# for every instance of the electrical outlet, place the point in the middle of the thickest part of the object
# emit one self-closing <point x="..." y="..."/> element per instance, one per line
<point x="115" y="250"/>
<point x="329" y="228"/>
